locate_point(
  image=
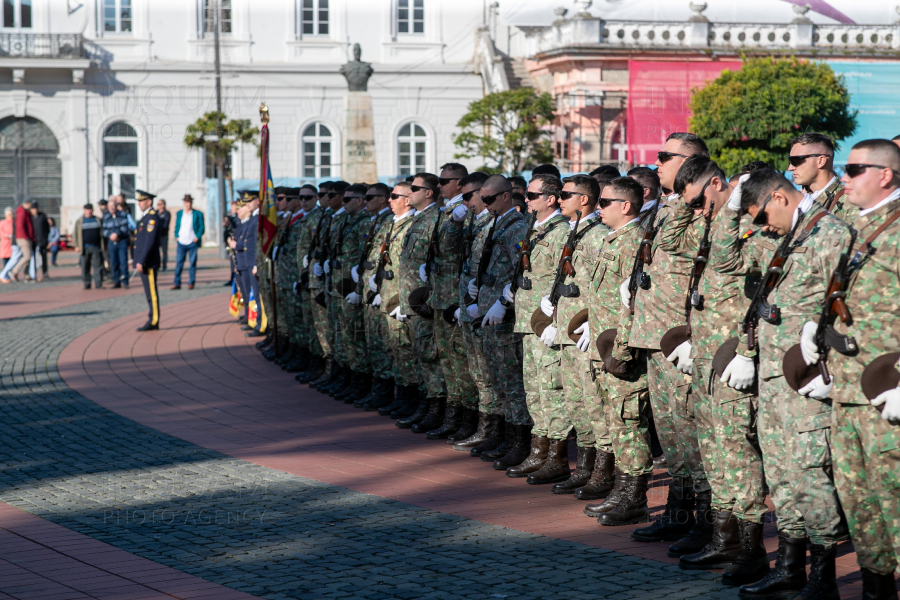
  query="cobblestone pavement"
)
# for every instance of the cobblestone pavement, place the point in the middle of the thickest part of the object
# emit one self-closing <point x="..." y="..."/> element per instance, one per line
<point x="260" y="530"/>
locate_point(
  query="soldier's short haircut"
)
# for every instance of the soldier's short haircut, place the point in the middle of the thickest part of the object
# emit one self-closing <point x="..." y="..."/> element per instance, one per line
<point x="430" y="180"/>
<point x="475" y="177"/>
<point x="550" y="185"/>
<point x="585" y="184"/>
<point x="518" y="181"/>
<point x="750" y="167"/>
<point x="309" y="186"/>
<point x="548" y="169"/>
<point x="357" y="188"/>
<point x="633" y="190"/>
<point x="402" y="184"/>
<point x="647" y="177"/>
<point x="410" y="178"/>
<point x="759" y="185"/>
<point x="895" y="138"/>
<point x="692" y="142"/>
<point x="882" y="152"/>
<point x="814" y="139"/>
<point x="696" y="169"/>
<point x="339" y="186"/>
<point x="498" y="183"/>
<point x="325" y="186"/>
<point x="605" y="173"/>
<point x="456" y="169"/>
<point x="381" y="188"/>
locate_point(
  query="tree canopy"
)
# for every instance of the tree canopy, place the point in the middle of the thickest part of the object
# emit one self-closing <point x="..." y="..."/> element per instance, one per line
<point x="507" y="129"/>
<point x="218" y="137"/>
<point x="752" y="114"/>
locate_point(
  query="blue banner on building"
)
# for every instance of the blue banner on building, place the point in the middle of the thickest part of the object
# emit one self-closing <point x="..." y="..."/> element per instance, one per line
<point x="875" y="93"/>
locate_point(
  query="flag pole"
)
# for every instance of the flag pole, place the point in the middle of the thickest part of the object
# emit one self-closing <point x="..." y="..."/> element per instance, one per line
<point x="264" y="201"/>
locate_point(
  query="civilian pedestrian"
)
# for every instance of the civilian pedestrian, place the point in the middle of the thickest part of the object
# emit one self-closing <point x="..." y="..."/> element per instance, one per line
<point x="165" y="219"/>
<point x="53" y="239"/>
<point x="188" y="230"/>
<point x="117" y="227"/>
<point x="6" y="236"/>
<point x="104" y="209"/>
<point x="24" y="241"/>
<point x="41" y="235"/>
<point x="88" y="241"/>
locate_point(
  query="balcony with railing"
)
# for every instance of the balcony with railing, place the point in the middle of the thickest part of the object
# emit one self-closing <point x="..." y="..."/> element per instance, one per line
<point x="41" y="45"/>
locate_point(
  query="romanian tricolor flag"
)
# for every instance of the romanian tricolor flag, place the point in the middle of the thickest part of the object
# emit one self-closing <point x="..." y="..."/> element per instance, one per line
<point x="268" y="212"/>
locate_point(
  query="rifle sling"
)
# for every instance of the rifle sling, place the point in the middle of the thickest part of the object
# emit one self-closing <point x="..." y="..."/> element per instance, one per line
<point x="834" y="200"/>
<point x="865" y="247"/>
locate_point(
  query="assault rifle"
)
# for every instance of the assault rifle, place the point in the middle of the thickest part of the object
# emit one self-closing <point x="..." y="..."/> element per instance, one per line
<point x="644" y="256"/>
<point x="363" y="264"/>
<point x="564" y="268"/>
<point x="316" y="248"/>
<point x="694" y="299"/>
<point x="384" y="259"/>
<point x="433" y="244"/>
<point x="483" y="262"/>
<point x="468" y="239"/>
<point x="524" y="262"/>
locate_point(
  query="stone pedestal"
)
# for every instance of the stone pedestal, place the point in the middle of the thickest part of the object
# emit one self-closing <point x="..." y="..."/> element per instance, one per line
<point x="358" y="159"/>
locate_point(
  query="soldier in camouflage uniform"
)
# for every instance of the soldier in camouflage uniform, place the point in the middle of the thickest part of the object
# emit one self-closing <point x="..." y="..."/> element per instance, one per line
<point x="423" y="197"/>
<point x="307" y="337"/>
<point x="793" y="429"/>
<point x="726" y="417"/>
<point x="316" y="256"/>
<point x="540" y="363"/>
<point x="580" y="193"/>
<point x="812" y="166"/>
<point x="621" y="377"/>
<point x="866" y="440"/>
<point x="656" y="309"/>
<point x="288" y="274"/>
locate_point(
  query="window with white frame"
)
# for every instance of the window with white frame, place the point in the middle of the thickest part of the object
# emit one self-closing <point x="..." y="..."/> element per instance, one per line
<point x="412" y="144"/>
<point x="317" y="148"/>
<point x="410" y="16"/>
<point x="314" y="17"/>
<point x="16" y="14"/>
<point x="121" y="172"/>
<point x="117" y="16"/>
<point x="209" y="16"/>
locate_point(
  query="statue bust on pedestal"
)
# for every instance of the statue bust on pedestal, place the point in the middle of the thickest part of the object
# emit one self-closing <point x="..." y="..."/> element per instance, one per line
<point x="358" y="157"/>
<point x="357" y="72"/>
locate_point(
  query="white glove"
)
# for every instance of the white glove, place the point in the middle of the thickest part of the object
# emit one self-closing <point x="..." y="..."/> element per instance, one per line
<point x="396" y="314"/>
<point x="740" y="372"/>
<point x="808" y="346"/>
<point x="353" y="298"/>
<point x="327" y="267"/>
<point x="456" y="316"/>
<point x="376" y="301"/>
<point x="473" y="290"/>
<point x="625" y="293"/>
<point x="305" y="262"/>
<point x="681" y="358"/>
<point x="472" y="309"/>
<point x="817" y="388"/>
<point x="495" y="314"/>
<point x="402" y="318"/>
<point x="317" y="270"/>
<point x="547" y="306"/>
<point x="508" y="295"/>
<point x="372" y="285"/>
<point x="354" y="273"/>
<point x="549" y="335"/>
<point x="423" y="275"/>
<point x="891" y="401"/>
<point x="734" y="200"/>
<point x="459" y="213"/>
<point x="584" y="342"/>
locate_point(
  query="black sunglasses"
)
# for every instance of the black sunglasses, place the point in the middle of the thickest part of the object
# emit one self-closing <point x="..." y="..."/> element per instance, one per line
<point x="605" y="202"/>
<point x="307" y="197"/>
<point x="857" y="169"/>
<point x="418" y="188"/>
<point x="518" y="196"/>
<point x="490" y="199"/>
<point x="567" y="195"/>
<point x="796" y="161"/>
<point x="698" y="200"/>
<point x="446" y="180"/>
<point x="534" y="195"/>
<point x="468" y="195"/>
<point x="370" y="196"/>
<point x="664" y="157"/>
<point x="349" y="198"/>
<point x="396" y="196"/>
<point x="761" y="217"/>
<point x="322" y="194"/>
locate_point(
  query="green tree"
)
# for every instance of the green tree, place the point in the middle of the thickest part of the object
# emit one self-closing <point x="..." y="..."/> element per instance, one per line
<point x="212" y="133"/>
<point x="508" y="129"/>
<point x="752" y="114"/>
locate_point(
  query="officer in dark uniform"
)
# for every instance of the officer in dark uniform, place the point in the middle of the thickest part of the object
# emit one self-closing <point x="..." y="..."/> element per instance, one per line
<point x="146" y="255"/>
<point x="245" y="248"/>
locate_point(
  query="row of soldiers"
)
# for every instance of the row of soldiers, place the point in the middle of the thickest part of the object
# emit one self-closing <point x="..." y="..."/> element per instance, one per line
<point x="754" y="324"/>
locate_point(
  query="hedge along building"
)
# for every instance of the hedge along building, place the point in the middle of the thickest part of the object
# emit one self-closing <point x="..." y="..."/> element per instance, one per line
<point x="95" y="96"/>
<point x="621" y="71"/>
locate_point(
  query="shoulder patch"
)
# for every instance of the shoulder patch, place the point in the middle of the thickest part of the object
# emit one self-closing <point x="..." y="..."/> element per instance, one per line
<point x="609" y="256"/>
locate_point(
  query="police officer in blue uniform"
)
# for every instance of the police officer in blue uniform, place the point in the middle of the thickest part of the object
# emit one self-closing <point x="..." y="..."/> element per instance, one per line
<point x="146" y="255"/>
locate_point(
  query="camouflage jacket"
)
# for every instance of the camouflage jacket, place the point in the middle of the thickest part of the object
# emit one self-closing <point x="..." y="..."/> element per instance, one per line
<point x="415" y="250"/>
<point x="724" y="297"/>
<point x="444" y="275"/>
<point x="589" y="240"/>
<point x="508" y="235"/>
<point x="305" y="238"/>
<point x="285" y="261"/>
<point x="838" y="207"/>
<point x="390" y="283"/>
<point x="480" y="228"/>
<point x="350" y="244"/>
<point x="544" y="258"/>
<point x="874" y="304"/>
<point x="798" y="294"/>
<point x="322" y="220"/>
<point x="331" y="246"/>
<point x="608" y="269"/>
<point x="382" y="223"/>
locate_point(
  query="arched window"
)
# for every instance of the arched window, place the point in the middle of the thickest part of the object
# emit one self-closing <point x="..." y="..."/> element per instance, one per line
<point x="29" y="165"/>
<point x="317" y="151"/>
<point x="411" y="144"/>
<point x="120" y="160"/>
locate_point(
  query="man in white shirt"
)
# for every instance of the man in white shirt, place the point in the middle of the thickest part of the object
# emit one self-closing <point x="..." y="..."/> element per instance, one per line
<point x="189" y="229"/>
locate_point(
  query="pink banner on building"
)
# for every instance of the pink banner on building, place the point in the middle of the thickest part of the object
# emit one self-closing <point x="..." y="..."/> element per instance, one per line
<point x="658" y="98"/>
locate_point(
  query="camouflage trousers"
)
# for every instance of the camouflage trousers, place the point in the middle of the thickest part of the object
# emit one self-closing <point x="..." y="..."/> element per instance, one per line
<point x="795" y="436"/>
<point x="288" y="314"/>
<point x="377" y="342"/>
<point x="867" y="476"/>
<point x="353" y="335"/>
<point x="578" y="386"/>
<point x="625" y="405"/>
<point x="335" y="334"/>
<point x="544" y="388"/>
<point x="320" y="323"/>
<point x="503" y="350"/>
<point x="307" y="324"/>
<point x="729" y="445"/>
<point x="403" y="361"/>
<point x="454" y="362"/>
<point x="488" y="402"/>
<point x="673" y="414"/>
<point x="431" y="377"/>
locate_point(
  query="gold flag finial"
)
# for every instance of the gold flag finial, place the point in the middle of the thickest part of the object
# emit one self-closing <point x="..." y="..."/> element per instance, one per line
<point x="264" y="113"/>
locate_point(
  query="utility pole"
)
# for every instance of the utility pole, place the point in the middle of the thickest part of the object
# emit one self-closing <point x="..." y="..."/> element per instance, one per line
<point x="220" y="172"/>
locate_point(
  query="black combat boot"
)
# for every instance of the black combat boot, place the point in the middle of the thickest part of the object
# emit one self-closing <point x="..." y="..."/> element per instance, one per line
<point x="722" y="549"/>
<point x="468" y="426"/>
<point x="603" y="478"/>
<point x="631" y="506"/>
<point x="878" y="587"/>
<point x="452" y="420"/>
<point x="752" y="562"/>
<point x="500" y="451"/>
<point x="787" y="578"/>
<point x="400" y="399"/>
<point x="822" y="584"/>
<point x="676" y="520"/>
<point x="330" y="376"/>
<point x="416" y="417"/>
<point x="584" y="466"/>
<point x="518" y="451"/>
<point x="433" y="418"/>
<point x="352" y="385"/>
<point x="538" y="451"/>
<point x="481" y="434"/>
<point x="496" y="427"/>
<point x="413" y="397"/>
<point x="702" y="531"/>
<point x="360" y="388"/>
<point x="317" y="370"/>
